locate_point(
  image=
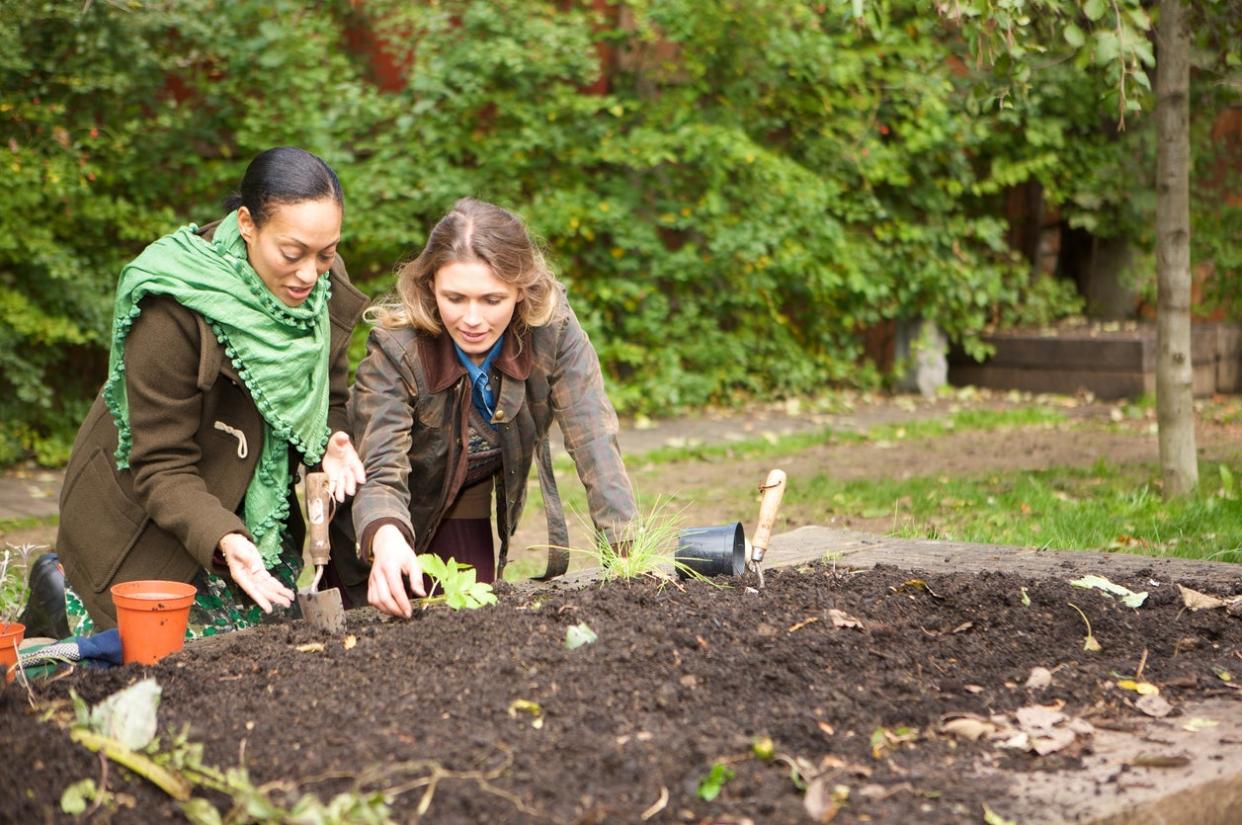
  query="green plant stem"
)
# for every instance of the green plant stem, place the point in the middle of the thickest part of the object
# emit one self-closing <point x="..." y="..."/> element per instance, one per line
<point x="171" y="783"/>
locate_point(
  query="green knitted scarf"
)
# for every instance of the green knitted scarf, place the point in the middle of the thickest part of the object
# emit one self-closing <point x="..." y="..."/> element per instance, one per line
<point x="280" y="352"/>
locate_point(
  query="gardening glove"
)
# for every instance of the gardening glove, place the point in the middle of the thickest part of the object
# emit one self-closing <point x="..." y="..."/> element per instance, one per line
<point x="392" y="559"/>
<point x="102" y="650"/>
<point x="342" y="466"/>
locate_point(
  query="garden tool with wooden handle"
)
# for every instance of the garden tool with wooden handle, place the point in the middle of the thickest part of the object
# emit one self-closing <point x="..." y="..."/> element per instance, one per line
<point x="773" y="490"/>
<point x="322" y="608"/>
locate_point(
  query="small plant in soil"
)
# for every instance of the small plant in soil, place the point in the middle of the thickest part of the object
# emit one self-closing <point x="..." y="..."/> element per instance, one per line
<point x="647" y="549"/>
<point x="457" y="584"/>
<point x="14" y="563"/>
<point x="713" y="783"/>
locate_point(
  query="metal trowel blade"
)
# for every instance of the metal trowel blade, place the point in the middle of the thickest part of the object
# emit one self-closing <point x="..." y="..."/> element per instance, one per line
<point x="323" y="609"/>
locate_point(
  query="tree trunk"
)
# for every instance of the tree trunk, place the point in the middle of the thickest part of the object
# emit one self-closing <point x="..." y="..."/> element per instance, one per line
<point x="1174" y="372"/>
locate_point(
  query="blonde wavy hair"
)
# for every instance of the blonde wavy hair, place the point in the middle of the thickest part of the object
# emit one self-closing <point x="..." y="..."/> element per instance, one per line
<point x="473" y="231"/>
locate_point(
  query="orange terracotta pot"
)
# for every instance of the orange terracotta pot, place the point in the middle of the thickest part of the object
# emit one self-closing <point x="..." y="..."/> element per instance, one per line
<point x="11" y="634"/>
<point x="151" y="616"/>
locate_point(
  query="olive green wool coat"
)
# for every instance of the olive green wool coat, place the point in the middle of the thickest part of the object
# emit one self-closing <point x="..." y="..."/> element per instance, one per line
<point x="197" y="436"/>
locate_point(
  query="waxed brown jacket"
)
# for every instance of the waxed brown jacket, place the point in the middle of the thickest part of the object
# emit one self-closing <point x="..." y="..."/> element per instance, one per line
<point x="197" y="435"/>
<point x="409" y="408"/>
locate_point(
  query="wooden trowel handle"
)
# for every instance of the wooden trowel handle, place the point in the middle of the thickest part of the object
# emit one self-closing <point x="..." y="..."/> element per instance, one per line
<point x="773" y="489"/>
<point x="318" y="514"/>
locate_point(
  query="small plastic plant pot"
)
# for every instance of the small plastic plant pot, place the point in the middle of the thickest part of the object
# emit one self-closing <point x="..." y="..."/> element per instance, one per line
<point x="711" y="551"/>
<point x="151" y="616"/>
<point x="11" y="634"/>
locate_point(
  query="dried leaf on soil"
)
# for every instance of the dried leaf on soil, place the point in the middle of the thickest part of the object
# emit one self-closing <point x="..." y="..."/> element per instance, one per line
<point x="842" y="619"/>
<point x="351" y="641"/>
<point x="822" y="802"/>
<point x="1128" y="597"/>
<point x="310" y="647"/>
<point x="1195" y="600"/>
<point x="1040" y="678"/>
<point x="885" y="739"/>
<point x="969" y="727"/>
<point x="1198" y="723"/>
<point x="1154" y="705"/>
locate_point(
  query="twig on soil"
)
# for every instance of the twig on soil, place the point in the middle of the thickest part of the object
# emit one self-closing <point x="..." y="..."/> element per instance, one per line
<point x="103" y="786"/>
<point x="1138" y="674"/>
<point x="802" y="624"/>
<point x="376" y="777"/>
<point x="658" y="806"/>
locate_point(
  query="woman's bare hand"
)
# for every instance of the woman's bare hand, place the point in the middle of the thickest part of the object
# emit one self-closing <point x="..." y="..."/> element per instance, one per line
<point x="392" y="562"/>
<point x="246" y="568"/>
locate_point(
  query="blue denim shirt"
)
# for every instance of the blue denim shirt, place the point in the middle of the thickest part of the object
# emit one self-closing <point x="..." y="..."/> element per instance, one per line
<point x="480" y="385"/>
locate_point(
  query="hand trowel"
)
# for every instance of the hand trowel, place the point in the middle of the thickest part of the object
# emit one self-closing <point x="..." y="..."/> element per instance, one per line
<point x="322" y="608"/>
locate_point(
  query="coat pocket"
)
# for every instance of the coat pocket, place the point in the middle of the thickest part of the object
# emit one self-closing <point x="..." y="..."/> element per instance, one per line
<point x="432" y="410"/>
<point x="99" y="522"/>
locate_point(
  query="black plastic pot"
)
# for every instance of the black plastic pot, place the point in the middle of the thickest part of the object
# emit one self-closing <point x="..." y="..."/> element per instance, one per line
<point x="712" y="551"/>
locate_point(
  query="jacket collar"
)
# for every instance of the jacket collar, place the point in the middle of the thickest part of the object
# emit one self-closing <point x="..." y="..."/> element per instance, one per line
<point x="442" y="368"/>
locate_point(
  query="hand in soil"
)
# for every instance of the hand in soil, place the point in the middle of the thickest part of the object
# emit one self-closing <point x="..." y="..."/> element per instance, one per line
<point x="343" y="466"/>
<point x="392" y="560"/>
<point x="246" y="568"/>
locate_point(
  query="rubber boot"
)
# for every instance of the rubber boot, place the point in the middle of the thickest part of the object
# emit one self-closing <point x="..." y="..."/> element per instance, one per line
<point x="45" y="612"/>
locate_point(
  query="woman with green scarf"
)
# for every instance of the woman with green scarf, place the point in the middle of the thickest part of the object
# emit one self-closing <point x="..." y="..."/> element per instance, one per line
<point x="228" y="368"/>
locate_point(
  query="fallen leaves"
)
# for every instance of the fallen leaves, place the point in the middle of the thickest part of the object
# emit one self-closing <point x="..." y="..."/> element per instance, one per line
<point x="822" y="802"/>
<point x="884" y="740"/>
<point x="310" y="647"/>
<point x="1195" y="601"/>
<point x="1040" y="678"/>
<point x="842" y="619"/>
<point x="1154" y="705"/>
<point x="1040" y="729"/>
<point x="1128" y="597"/>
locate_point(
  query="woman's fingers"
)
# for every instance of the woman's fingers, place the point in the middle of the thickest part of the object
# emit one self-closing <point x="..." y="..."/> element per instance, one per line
<point x="397" y="587"/>
<point x="415" y="572"/>
<point x="378" y="596"/>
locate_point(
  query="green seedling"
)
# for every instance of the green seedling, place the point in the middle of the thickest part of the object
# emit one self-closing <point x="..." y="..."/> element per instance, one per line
<point x="711" y="785"/>
<point x="763" y="748"/>
<point x="457" y="584"/>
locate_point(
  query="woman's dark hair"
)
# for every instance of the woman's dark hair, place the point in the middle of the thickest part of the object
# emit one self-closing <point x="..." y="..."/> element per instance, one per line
<point x="284" y="175"/>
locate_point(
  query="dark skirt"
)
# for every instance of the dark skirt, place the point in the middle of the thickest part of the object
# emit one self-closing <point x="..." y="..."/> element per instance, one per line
<point x="467" y="540"/>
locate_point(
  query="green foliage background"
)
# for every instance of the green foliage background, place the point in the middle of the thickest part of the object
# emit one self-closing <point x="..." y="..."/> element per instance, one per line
<point x="762" y="180"/>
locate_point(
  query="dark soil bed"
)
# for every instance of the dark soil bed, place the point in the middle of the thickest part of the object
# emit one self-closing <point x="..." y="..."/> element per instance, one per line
<point x="678" y="680"/>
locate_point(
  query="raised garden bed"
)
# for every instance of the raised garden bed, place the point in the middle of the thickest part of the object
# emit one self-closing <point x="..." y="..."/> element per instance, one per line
<point x="678" y="681"/>
<point x="1110" y="361"/>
